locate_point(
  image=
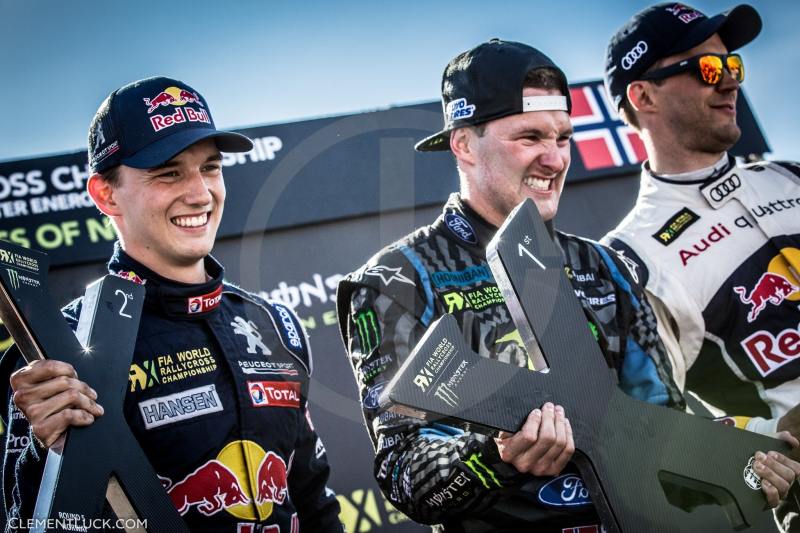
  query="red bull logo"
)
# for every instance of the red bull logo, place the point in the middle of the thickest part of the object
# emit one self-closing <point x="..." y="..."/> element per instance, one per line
<point x="770" y="352"/>
<point x="130" y="276"/>
<point x="173" y="96"/>
<point x="212" y="487"/>
<point x="243" y="480"/>
<point x="272" y="480"/>
<point x="770" y="288"/>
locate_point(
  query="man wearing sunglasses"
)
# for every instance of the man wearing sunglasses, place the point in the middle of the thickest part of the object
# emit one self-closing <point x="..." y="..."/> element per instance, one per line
<point x="717" y="243"/>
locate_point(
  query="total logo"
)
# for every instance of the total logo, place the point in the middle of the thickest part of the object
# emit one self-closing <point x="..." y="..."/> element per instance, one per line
<point x="206" y="302"/>
<point x="174" y="96"/>
<point x="226" y="483"/>
<point x="274" y="393"/>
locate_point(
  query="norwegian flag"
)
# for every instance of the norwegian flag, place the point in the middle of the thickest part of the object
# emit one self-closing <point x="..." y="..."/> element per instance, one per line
<point x="601" y="138"/>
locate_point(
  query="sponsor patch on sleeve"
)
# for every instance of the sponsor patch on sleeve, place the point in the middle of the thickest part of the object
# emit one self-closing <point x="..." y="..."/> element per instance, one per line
<point x="677" y="224"/>
<point x="182" y="405"/>
<point x="290" y="332"/>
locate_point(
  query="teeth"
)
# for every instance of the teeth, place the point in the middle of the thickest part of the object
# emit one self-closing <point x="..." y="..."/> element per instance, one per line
<point x="539" y="184"/>
<point x="191" y="222"/>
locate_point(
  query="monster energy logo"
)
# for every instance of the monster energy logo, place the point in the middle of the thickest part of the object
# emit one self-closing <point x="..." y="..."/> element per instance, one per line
<point x="595" y="333"/>
<point x="444" y="393"/>
<point x="368" y="331"/>
<point x="484" y="473"/>
<point x="13" y="277"/>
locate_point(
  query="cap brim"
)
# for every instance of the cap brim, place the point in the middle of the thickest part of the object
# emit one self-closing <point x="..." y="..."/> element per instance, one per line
<point x="164" y="149"/>
<point x="736" y="28"/>
<point x="438" y="142"/>
<point x="742" y="25"/>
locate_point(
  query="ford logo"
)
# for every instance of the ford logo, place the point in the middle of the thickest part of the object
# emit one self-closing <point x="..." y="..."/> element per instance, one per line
<point x="461" y="228"/>
<point x="567" y="490"/>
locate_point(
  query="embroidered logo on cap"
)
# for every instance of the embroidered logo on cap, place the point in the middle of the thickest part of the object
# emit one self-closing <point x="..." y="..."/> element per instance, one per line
<point x="458" y="109"/>
<point x="174" y="96"/>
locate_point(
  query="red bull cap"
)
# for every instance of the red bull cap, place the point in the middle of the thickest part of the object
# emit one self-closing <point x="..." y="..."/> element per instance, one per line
<point x="148" y="122"/>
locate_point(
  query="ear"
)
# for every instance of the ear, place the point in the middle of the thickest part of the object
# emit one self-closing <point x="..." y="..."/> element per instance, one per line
<point x="461" y="145"/>
<point x="102" y="194"/>
<point x="640" y="95"/>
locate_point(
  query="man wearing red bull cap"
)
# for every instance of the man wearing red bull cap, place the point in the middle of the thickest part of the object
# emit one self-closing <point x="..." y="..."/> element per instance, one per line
<point x="507" y="124"/>
<point x="717" y="243"/>
<point x="219" y="380"/>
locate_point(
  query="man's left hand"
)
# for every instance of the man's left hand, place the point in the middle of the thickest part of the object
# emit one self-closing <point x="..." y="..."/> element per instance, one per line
<point x="777" y="473"/>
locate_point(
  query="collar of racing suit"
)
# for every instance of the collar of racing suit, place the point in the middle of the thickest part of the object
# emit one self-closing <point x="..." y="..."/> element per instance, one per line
<point x="484" y="231"/>
<point x="695" y="177"/>
<point x="173" y="298"/>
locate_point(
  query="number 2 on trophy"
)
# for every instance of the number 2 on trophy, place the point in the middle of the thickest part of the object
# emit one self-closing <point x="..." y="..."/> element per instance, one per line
<point x="125" y="298"/>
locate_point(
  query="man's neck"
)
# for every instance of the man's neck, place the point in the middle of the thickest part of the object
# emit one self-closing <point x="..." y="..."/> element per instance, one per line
<point x="669" y="157"/>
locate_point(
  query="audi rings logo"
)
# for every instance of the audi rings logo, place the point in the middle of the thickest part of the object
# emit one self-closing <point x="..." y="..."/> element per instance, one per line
<point x="724" y="187"/>
<point x="633" y="55"/>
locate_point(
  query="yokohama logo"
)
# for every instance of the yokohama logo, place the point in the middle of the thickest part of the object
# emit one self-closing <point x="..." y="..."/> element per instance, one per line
<point x="768" y="352"/>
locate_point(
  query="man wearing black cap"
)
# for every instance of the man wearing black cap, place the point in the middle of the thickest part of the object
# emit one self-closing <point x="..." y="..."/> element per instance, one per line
<point x="506" y="121"/>
<point x="199" y="416"/>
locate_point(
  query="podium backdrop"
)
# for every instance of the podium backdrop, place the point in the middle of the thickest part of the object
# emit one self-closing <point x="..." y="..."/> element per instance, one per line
<point x="311" y="202"/>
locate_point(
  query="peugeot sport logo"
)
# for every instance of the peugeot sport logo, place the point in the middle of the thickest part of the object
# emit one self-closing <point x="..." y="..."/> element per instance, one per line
<point x="633" y="55"/>
<point x="725" y="187"/>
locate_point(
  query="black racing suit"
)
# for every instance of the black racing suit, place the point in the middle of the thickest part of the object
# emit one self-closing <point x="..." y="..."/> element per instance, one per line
<point x="218" y="390"/>
<point x="439" y="474"/>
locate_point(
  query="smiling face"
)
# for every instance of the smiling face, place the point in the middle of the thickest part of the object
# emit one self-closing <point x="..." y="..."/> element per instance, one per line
<point x="698" y="117"/>
<point x="526" y="155"/>
<point x="167" y="217"/>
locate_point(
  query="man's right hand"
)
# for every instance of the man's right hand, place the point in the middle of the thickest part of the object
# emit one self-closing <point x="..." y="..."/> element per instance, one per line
<point x="791" y="422"/>
<point x="52" y="398"/>
<point x="544" y="444"/>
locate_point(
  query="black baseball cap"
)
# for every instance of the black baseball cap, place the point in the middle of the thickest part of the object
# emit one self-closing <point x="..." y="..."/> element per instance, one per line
<point x="148" y="122"/>
<point x="666" y="29"/>
<point x="485" y="84"/>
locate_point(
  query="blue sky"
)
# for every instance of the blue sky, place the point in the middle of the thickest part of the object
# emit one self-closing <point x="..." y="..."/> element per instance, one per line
<point x="261" y="62"/>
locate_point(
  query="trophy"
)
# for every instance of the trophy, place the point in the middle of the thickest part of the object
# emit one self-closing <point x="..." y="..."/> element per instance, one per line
<point x="102" y="463"/>
<point x="647" y="467"/>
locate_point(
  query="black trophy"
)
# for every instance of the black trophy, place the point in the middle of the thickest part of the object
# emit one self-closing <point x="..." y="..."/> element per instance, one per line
<point x="647" y="467"/>
<point x="102" y="462"/>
